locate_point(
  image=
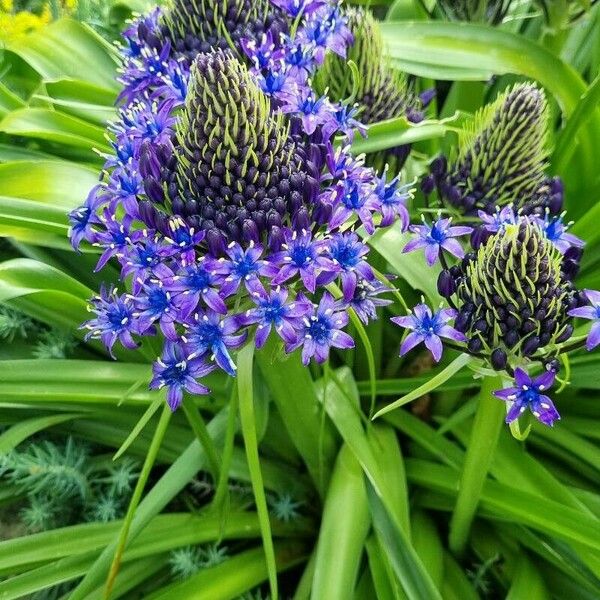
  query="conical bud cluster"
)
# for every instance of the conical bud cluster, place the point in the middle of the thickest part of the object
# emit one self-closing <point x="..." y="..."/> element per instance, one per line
<point x="238" y="172"/>
<point x="195" y="26"/>
<point x="383" y="92"/>
<point x="512" y="295"/>
<point x="502" y="158"/>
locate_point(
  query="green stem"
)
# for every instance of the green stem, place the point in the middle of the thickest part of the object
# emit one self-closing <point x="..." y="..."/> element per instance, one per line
<point x="248" y="422"/>
<point x="159" y="434"/>
<point x="199" y="428"/>
<point x="480" y="453"/>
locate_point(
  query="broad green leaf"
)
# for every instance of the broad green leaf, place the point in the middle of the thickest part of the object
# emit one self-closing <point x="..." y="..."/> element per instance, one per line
<point x="18" y="433"/>
<point x="68" y="49"/>
<point x="527" y="582"/>
<point x="56" y="127"/>
<point x="344" y="527"/>
<point x="397" y="132"/>
<point x="62" y="184"/>
<point x="9" y="101"/>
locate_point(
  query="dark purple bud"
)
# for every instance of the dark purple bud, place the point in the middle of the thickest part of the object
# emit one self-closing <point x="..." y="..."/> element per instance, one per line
<point x="499" y="359"/>
<point x="454" y="196"/>
<point x="250" y="231"/>
<point x="555" y="204"/>
<point x="557" y="186"/>
<point x="469" y="203"/>
<point x="439" y="166"/>
<point x="565" y="335"/>
<point x="428" y="184"/>
<point x="427" y="96"/>
<point x="301" y="220"/>
<point x="574" y="253"/>
<point x="462" y="321"/>
<point x="531" y="346"/>
<point x="511" y="337"/>
<point x="154" y="191"/>
<point x="446" y="284"/>
<point x="553" y="365"/>
<point x="479" y="237"/>
<point x="216" y="242"/>
<point x="475" y="345"/>
<point x="276" y="239"/>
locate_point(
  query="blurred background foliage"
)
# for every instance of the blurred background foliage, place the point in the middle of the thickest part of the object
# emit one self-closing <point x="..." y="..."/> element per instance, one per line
<point x="90" y="458"/>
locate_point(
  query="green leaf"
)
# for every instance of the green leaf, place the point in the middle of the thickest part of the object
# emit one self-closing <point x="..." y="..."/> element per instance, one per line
<point x="480" y="453"/>
<point x="235" y="576"/>
<point x="18" y="433"/>
<point x="68" y="49"/>
<point x="56" y="127"/>
<point x="456" y="365"/>
<point x="344" y="527"/>
<point x="297" y="403"/>
<point x="248" y="422"/>
<point x="59" y="183"/>
<point x="8" y="100"/>
<point x="527" y="582"/>
<point x="397" y="132"/>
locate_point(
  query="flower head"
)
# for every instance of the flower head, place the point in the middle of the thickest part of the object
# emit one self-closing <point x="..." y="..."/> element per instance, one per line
<point x="528" y="394"/>
<point x="437" y="237"/>
<point x="590" y="311"/>
<point x="179" y="373"/>
<point x="428" y="327"/>
<point x="323" y="330"/>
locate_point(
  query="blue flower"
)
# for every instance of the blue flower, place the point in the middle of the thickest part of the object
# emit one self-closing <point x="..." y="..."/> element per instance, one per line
<point x="556" y="231"/>
<point x="392" y="198"/>
<point x="347" y="253"/>
<point x="157" y="304"/>
<point x="592" y="312"/>
<point x="114" y="320"/>
<point x="179" y="373"/>
<point x="210" y="334"/>
<point x="115" y="238"/>
<point x="312" y="110"/>
<point x="366" y="299"/>
<point x="428" y="327"/>
<point x="83" y="218"/>
<point x="243" y="266"/>
<point x="323" y="331"/>
<point x="183" y="240"/>
<point x="263" y="55"/>
<point x="499" y="219"/>
<point x="301" y="255"/>
<point x="294" y="8"/>
<point x="274" y="310"/>
<point x="527" y="394"/>
<point x="344" y="121"/>
<point x="437" y="237"/>
<point x="353" y="198"/>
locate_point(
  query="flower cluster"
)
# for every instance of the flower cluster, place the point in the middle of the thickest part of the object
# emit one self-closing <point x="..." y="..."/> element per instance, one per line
<point x="501" y="159"/>
<point x="225" y="202"/>
<point x="381" y="91"/>
<point x="512" y="299"/>
<point x="509" y="264"/>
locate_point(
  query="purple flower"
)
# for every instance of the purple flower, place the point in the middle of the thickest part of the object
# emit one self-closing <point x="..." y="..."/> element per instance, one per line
<point x="114" y="319"/>
<point x="366" y="299"/>
<point x="344" y="120"/>
<point x="124" y="186"/>
<point x="144" y="121"/>
<point x="209" y="334"/>
<point x="297" y="7"/>
<point x="301" y="255"/>
<point x="342" y="164"/>
<point x="322" y="331"/>
<point x="157" y="303"/>
<point x="497" y="221"/>
<point x="392" y="198"/>
<point x="179" y="373"/>
<point x="263" y="55"/>
<point x="273" y="310"/>
<point x="243" y="266"/>
<point x="312" y="110"/>
<point x="326" y="29"/>
<point x="300" y="60"/>
<point x="347" y="253"/>
<point x="428" y="327"/>
<point x="437" y="237"/>
<point x="143" y="260"/>
<point x="591" y="312"/>
<point x="115" y="238"/>
<point x="84" y="217"/>
<point x="202" y="280"/>
<point x="527" y="393"/>
<point x="556" y="231"/>
<point x="354" y="198"/>
<point x="183" y="240"/>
